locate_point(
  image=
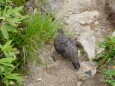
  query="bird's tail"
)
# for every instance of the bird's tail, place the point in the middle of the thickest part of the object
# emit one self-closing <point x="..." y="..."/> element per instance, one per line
<point x="76" y="65"/>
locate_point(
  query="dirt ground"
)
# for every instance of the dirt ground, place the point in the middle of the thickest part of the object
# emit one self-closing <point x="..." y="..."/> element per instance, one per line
<point x="58" y="73"/>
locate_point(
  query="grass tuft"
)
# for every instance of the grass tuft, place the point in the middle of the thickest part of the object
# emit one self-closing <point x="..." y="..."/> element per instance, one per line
<point x="40" y="30"/>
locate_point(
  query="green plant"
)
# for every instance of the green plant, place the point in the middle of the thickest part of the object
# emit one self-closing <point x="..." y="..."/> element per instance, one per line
<point x="20" y="42"/>
<point x="110" y="76"/>
<point x="109" y="48"/>
<point x="10" y="21"/>
<point x="107" y="58"/>
<point x="40" y="30"/>
<point x="7" y="75"/>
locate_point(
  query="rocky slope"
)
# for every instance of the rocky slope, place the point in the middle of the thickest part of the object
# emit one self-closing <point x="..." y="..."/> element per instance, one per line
<point x="88" y="22"/>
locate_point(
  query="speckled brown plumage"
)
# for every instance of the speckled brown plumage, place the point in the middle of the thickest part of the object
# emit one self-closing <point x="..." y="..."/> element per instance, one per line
<point x="66" y="46"/>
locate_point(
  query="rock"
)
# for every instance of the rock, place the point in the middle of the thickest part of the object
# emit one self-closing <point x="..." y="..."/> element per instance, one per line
<point x="110" y="10"/>
<point x="79" y="83"/>
<point x="113" y="7"/>
<point x="96" y="23"/>
<point x="11" y="83"/>
<point x="30" y="7"/>
<point x="87" y="40"/>
<point x="56" y="5"/>
<point x="87" y="70"/>
<point x="113" y="33"/>
<point x="111" y="4"/>
<point x="86" y="17"/>
<point x="30" y="84"/>
<point x="46" y="58"/>
<point x="39" y="79"/>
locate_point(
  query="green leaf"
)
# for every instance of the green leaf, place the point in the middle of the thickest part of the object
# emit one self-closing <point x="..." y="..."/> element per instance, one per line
<point x="13" y="76"/>
<point x="0" y="46"/>
<point x="11" y="28"/>
<point x="7" y="46"/>
<point x="2" y="18"/>
<point x="4" y="31"/>
<point x="112" y="82"/>
<point x="7" y="64"/>
<point x="110" y="72"/>
<point x="7" y="60"/>
<point x="6" y="82"/>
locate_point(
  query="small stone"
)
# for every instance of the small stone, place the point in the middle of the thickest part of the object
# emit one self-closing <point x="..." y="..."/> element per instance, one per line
<point x="87" y="70"/>
<point x="11" y="83"/>
<point x="88" y="73"/>
<point x="39" y="79"/>
<point x="66" y="22"/>
<point x="96" y="23"/>
<point x="79" y="83"/>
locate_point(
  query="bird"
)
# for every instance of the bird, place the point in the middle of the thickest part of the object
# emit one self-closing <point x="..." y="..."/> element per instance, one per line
<point x="66" y="46"/>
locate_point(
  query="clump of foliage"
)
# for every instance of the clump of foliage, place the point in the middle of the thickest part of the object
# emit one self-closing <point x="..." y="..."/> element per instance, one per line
<point x="10" y="19"/>
<point x="109" y="48"/>
<point x="7" y="67"/>
<point x="41" y="26"/>
<point x="40" y="30"/>
<point x="21" y="37"/>
<point x="110" y="76"/>
<point x="108" y="58"/>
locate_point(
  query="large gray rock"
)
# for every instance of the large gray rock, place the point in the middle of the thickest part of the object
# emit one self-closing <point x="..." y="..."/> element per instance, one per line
<point x="86" y="17"/>
<point x="87" y="40"/>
